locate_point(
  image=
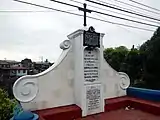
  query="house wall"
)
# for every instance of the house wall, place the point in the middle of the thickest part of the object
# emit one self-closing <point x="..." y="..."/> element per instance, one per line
<point x="21" y="73"/>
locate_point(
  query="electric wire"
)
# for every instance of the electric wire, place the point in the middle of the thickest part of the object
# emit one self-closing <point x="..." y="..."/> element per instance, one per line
<point x="82" y="16"/>
<point x="120" y="9"/>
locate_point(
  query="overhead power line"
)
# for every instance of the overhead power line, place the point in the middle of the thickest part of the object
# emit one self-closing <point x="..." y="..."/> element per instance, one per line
<point x="126" y="19"/>
<point x="121" y="24"/>
<point x="82" y="16"/>
<point x="8" y="11"/>
<point x="122" y="7"/>
<point x="137" y="7"/>
<point x="46" y="7"/>
<point x="122" y="27"/>
<point x="26" y="11"/>
<point x="144" y="5"/>
<point x="107" y="14"/>
<point x="116" y="8"/>
<point x="117" y="12"/>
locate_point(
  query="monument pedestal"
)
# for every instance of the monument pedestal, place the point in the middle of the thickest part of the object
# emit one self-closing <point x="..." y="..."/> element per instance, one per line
<point x="80" y="78"/>
<point x="87" y="66"/>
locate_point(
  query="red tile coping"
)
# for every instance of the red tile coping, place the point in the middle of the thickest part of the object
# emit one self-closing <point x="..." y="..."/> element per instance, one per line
<point x="122" y="102"/>
<point x="71" y="112"/>
<point x="122" y="114"/>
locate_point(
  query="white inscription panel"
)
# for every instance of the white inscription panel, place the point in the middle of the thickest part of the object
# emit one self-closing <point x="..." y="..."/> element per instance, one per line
<point x="93" y="97"/>
<point x="91" y="65"/>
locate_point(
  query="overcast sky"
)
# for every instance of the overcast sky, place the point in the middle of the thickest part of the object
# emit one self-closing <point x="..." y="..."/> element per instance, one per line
<point x="35" y="34"/>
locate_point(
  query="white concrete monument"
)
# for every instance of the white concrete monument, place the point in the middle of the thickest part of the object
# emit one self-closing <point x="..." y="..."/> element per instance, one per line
<point x="81" y="76"/>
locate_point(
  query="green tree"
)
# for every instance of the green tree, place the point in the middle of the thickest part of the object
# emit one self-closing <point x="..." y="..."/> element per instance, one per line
<point x="140" y="64"/>
<point x="151" y="58"/>
<point x="124" y="60"/>
<point x="6" y="106"/>
<point x="116" y="56"/>
<point x="132" y="65"/>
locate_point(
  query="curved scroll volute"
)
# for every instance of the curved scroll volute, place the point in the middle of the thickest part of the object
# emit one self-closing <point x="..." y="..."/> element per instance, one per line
<point x="26" y="88"/>
<point x="124" y="80"/>
<point x="115" y="83"/>
<point x="65" y="44"/>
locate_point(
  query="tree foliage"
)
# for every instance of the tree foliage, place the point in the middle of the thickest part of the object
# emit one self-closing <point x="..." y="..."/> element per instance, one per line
<point x="151" y="58"/>
<point x="142" y="65"/>
<point x="6" y="106"/>
<point x="122" y="59"/>
<point x="115" y="56"/>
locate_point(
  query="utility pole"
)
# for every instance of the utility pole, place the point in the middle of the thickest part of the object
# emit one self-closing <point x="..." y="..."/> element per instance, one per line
<point x="85" y="12"/>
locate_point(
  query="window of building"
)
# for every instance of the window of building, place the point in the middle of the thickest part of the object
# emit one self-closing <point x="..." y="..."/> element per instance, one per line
<point x="24" y="71"/>
<point x="13" y="71"/>
<point x="19" y="71"/>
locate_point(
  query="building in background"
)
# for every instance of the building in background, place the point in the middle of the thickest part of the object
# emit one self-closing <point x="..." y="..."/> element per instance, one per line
<point x="18" y="71"/>
<point x="10" y="68"/>
<point x="41" y="66"/>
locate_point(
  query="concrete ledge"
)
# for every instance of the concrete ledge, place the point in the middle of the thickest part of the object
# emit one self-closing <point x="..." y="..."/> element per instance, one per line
<point x="72" y="112"/>
<point x="122" y="102"/>
<point x="69" y="112"/>
<point x="116" y="103"/>
<point x="145" y="94"/>
<point x="145" y="106"/>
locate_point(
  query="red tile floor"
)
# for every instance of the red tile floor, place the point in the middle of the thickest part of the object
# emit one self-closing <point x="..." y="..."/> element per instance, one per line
<point x="114" y="110"/>
<point x="122" y="114"/>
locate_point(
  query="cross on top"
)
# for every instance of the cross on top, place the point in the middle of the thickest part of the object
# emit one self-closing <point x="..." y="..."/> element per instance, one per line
<point x="85" y="11"/>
